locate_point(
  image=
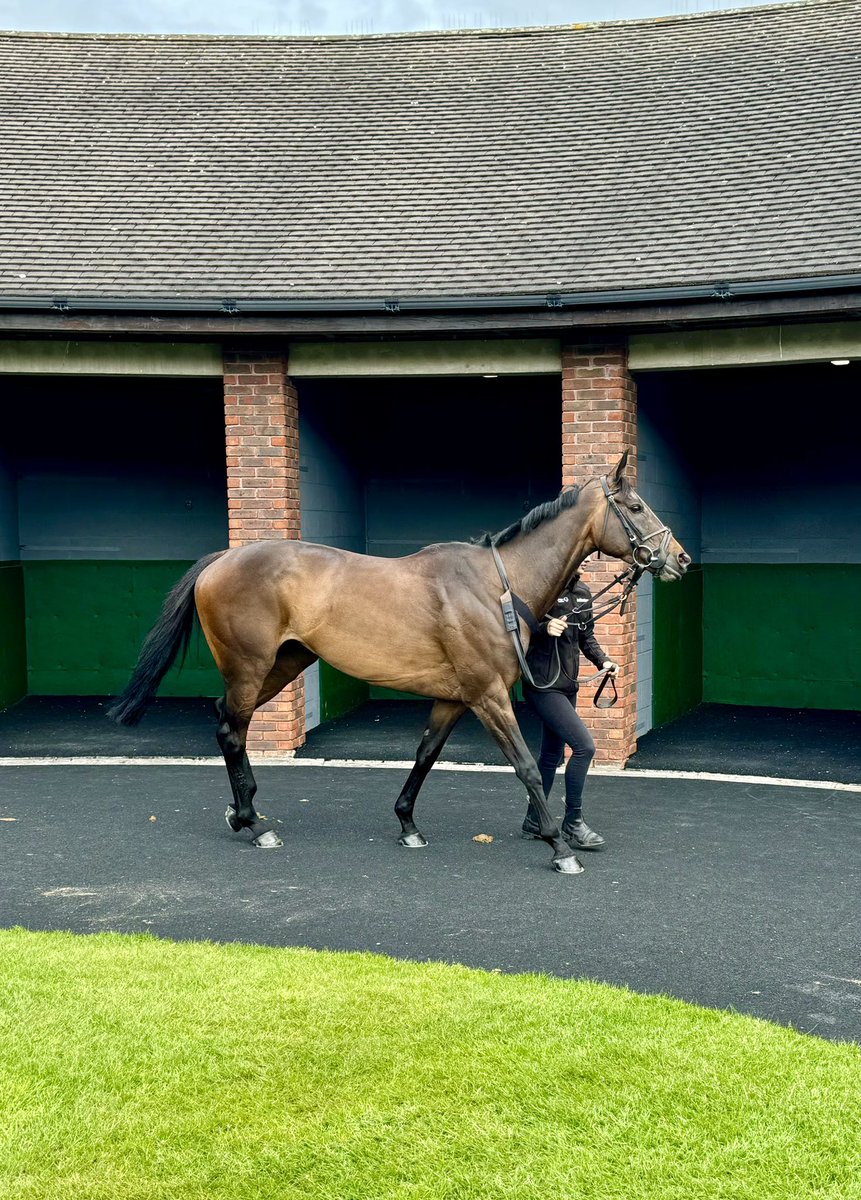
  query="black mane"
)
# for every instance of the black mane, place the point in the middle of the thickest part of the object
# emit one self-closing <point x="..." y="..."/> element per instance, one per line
<point x="542" y="512"/>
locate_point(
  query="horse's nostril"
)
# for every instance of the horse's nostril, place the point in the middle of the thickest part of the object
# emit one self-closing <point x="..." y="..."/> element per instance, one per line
<point x="684" y="559"/>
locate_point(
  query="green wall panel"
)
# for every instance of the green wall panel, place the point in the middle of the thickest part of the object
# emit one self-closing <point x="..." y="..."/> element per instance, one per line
<point x="384" y="693"/>
<point x="677" y="670"/>
<point x="13" y="646"/>
<point x="86" y="622"/>
<point x="782" y="635"/>
<point x="339" y="693"/>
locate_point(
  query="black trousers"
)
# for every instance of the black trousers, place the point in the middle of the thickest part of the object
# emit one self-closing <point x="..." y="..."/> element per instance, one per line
<point x="562" y="727"/>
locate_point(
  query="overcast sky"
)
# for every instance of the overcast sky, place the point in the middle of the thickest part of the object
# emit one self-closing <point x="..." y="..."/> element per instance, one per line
<point x="327" y="16"/>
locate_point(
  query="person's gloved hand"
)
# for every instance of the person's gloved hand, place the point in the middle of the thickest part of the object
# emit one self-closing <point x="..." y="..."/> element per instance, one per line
<point x="610" y="667"/>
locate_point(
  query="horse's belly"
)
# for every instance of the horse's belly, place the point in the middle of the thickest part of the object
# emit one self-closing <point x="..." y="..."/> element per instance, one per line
<point x="403" y="664"/>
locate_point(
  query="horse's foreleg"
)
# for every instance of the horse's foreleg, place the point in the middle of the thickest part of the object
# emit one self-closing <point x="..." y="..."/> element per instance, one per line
<point x="496" y="714"/>
<point x="445" y="714"/>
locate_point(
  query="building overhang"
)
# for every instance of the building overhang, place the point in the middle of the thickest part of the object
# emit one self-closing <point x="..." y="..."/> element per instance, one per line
<point x="573" y="316"/>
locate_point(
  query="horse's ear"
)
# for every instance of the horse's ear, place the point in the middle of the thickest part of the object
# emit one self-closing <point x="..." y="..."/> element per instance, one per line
<point x="618" y="471"/>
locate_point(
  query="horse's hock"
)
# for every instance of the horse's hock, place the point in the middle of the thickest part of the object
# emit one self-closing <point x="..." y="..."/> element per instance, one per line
<point x="262" y="410"/>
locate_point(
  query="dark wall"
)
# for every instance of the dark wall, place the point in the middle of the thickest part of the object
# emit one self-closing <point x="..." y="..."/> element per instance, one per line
<point x="774" y="454"/>
<point x="445" y="459"/>
<point x="119" y="485"/>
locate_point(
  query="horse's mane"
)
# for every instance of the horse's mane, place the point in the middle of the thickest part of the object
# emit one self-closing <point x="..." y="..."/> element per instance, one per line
<point x="542" y="512"/>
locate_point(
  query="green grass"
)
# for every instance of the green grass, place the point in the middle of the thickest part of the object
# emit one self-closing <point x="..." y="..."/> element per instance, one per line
<point x="138" y="1069"/>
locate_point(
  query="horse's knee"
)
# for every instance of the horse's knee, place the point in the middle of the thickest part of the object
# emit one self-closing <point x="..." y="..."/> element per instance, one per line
<point x="530" y="776"/>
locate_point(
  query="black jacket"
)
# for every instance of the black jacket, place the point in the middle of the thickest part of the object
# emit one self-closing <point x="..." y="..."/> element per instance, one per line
<point x="541" y="655"/>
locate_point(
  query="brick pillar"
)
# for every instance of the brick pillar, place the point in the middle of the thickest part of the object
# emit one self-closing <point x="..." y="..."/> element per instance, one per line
<point x="599" y="419"/>
<point x="261" y="416"/>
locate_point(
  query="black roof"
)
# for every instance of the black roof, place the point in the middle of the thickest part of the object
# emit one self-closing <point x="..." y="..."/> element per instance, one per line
<point x="638" y="154"/>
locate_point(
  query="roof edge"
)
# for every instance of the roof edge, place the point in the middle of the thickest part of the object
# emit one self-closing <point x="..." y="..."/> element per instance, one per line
<point x="721" y="290"/>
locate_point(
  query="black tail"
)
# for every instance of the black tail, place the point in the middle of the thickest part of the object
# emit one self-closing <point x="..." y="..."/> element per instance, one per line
<point x="170" y="633"/>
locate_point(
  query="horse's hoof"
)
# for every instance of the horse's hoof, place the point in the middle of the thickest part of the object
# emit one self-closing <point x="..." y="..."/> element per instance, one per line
<point x="269" y="840"/>
<point x="570" y="865"/>
<point x="412" y="841"/>
<point x="231" y="818"/>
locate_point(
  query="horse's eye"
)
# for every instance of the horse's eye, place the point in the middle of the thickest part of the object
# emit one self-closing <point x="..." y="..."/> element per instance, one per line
<point x="636" y="508"/>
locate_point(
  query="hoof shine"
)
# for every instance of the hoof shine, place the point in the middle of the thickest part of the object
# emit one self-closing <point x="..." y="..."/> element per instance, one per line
<point x="412" y="841"/>
<point x="267" y="841"/>
<point x="568" y="866"/>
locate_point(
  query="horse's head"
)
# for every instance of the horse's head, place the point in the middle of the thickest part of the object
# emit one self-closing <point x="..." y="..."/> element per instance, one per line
<point x="625" y="527"/>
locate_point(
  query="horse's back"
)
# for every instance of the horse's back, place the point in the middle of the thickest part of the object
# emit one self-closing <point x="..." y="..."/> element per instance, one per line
<point x="375" y="618"/>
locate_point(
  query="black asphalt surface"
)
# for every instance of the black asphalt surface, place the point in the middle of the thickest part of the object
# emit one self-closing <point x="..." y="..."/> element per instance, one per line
<point x="390" y="731"/>
<point x="730" y="895"/>
<point x="76" y="726"/>
<point x="788" y="743"/>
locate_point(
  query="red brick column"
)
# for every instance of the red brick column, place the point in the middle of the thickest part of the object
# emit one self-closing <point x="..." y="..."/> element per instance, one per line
<point x="599" y="419"/>
<point x="261" y="416"/>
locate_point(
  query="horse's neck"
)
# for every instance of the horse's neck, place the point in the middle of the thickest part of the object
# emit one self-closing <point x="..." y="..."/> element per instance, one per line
<point x="540" y="563"/>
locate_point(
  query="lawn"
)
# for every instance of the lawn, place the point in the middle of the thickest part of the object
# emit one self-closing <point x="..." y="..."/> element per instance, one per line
<point x="139" y="1069"/>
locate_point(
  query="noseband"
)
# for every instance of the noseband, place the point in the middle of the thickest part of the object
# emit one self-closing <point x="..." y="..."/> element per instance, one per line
<point x="646" y="557"/>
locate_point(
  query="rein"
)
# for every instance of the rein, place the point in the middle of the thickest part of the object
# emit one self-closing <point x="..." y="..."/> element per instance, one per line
<point x="645" y="557"/>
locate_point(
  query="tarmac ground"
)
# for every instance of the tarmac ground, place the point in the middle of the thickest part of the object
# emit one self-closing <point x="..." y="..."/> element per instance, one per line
<point x="733" y="895"/>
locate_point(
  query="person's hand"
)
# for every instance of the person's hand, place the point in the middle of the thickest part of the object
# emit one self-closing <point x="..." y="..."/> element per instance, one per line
<point x="610" y="667"/>
<point x="556" y="626"/>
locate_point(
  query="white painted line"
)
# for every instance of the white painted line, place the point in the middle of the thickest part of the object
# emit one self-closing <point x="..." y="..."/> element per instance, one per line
<point x="110" y="760"/>
<point x="718" y="777"/>
<point x="373" y="764"/>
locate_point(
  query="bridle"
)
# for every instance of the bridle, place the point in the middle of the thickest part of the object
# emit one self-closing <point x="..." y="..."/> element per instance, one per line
<point x="646" y="558"/>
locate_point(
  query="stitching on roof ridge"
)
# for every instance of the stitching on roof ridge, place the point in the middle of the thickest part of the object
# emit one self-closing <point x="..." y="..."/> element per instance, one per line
<point x="423" y="34"/>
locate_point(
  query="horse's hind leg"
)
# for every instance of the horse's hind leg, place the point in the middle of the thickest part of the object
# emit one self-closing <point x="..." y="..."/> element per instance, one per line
<point x="234" y="718"/>
<point x="234" y="711"/>
<point x="445" y="714"/>
<point x="496" y="714"/>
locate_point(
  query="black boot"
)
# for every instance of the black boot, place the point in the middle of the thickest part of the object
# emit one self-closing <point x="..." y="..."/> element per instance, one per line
<point x="579" y="836"/>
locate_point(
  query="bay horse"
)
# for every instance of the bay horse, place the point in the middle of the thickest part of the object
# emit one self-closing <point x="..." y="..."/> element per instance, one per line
<point x="429" y="623"/>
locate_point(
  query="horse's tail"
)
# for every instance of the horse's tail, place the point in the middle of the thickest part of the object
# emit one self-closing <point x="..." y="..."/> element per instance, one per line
<point x="169" y="635"/>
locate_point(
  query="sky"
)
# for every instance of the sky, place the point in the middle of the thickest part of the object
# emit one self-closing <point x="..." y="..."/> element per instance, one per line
<point x="328" y="16"/>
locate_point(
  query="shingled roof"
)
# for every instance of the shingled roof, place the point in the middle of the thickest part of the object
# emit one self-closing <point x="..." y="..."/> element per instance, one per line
<point x="618" y="156"/>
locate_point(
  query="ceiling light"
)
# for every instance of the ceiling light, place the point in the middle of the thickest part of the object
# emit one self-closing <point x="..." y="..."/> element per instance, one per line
<point x="840" y="362"/>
